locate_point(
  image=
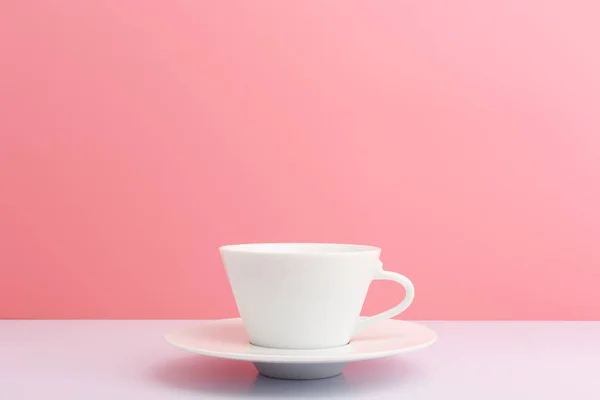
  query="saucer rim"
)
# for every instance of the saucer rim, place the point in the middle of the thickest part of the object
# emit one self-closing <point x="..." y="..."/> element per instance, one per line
<point x="302" y="357"/>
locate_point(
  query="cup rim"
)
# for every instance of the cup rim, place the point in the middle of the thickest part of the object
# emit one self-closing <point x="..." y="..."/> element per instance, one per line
<point x="300" y="248"/>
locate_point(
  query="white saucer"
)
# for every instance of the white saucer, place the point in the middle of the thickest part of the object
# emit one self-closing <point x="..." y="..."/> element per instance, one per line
<point x="226" y="338"/>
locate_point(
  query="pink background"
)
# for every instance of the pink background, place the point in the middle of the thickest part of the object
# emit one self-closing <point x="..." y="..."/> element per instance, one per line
<point x="462" y="137"/>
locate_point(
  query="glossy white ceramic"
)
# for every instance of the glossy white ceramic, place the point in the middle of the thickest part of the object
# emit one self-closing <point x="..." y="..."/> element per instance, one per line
<point x="306" y="295"/>
<point x="227" y="338"/>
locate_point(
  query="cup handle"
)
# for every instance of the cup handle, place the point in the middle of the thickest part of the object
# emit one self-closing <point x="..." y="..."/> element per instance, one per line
<point x="382" y="275"/>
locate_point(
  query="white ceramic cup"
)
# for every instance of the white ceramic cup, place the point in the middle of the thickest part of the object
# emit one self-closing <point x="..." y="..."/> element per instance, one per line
<point x="306" y="295"/>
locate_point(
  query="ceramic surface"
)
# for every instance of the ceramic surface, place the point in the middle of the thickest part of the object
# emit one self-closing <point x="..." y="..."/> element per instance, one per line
<point x="306" y="295"/>
<point x="227" y="339"/>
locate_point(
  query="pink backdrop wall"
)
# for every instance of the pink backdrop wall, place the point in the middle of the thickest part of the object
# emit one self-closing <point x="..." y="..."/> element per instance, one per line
<point x="462" y="137"/>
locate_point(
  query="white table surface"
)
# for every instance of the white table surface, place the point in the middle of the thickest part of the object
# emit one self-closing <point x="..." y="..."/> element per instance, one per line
<point x="129" y="360"/>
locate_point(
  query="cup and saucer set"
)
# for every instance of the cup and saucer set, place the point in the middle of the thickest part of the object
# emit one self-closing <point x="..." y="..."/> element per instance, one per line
<point x="300" y="307"/>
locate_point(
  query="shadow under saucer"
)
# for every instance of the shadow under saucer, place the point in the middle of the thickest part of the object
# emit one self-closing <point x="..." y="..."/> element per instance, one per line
<point x="299" y="371"/>
<point x="239" y="378"/>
